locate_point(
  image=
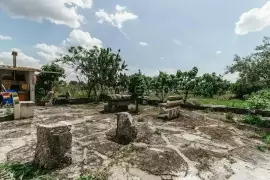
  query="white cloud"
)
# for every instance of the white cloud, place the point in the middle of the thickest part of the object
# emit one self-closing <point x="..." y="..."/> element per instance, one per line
<point x="218" y="52"/>
<point x="161" y="58"/>
<point x="63" y="12"/>
<point x="5" y="37"/>
<point x="22" y="59"/>
<point x="120" y="8"/>
<point x="177" y="42"/>
<point x="49" y="52"/>
<point x="76" y="38"/>
<point x="116" y="19"/>
<point x="143" y="43"/>
<point x="253" y="20"/>
<point x="79" y="37"/>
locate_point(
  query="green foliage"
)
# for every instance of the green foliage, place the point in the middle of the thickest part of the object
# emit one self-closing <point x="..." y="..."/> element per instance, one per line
<point x="229" y="116"/>
<point x="259" y="100"/>
<point x="24" y="172"/>
<point x="228" y="103"/>
<point x="161" y="85"/>
<point x="254" y="70"/>
<point x="97" y="67"/>
<point x="261" y="148"/>
<point x="209" y="85"/>
<point x="256" y="120"/>
<point x="137" y="85"/>
<point x="241" y="88"/>
<point x="266" y="138"/>
<point x="47" y="80"/>
<point x="186" y="82"/>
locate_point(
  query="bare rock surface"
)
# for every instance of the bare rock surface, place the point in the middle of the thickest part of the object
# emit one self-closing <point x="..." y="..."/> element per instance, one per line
<point x="191" y="147"/>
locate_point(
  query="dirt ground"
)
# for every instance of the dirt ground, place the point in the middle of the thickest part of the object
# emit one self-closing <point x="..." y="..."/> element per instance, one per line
<point x="192" y="147"/>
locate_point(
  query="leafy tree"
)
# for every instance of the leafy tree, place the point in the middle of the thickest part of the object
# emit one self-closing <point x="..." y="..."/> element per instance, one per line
<point x="186" y="82"/>
<point x="254" y="69"/>
<point x="209" y="85"/>
<point x="51" y="74"/>
<point x="137" y="87"/>
<point x="97" y="67"/>
<point x="161" y="85"/>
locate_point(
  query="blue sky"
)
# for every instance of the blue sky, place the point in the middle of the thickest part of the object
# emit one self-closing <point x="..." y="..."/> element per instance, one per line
<point x="153" y="35"/>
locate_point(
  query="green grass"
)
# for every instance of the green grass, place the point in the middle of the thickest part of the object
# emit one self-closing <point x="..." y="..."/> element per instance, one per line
<point x="257" y="121"/>
<point x="228" y="103"/>
<point x="23" y="172"/>
<point x="17" y="171"/>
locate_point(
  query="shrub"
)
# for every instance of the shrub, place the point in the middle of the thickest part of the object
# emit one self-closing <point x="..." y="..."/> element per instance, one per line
<point x="266" y="138"/>
<point x="256" y="120"/>
<point x="259" y="100"/>
<point x="229" y="116"/>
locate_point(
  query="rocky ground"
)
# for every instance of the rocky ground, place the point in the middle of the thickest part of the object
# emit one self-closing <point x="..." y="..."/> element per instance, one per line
<point x="194" y="146"/>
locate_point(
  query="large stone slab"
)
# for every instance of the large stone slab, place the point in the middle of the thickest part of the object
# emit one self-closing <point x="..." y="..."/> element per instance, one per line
<point x="54" y="142"/>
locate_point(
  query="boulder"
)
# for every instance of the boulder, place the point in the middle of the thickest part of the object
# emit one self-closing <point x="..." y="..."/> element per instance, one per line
<point x="126" y="131"/>
<point x="54" y="142"/>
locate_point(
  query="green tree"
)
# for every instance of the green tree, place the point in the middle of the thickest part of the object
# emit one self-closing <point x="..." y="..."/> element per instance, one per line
<point x="161" y="85"/>
<point x="51" y="74"/>
<point x="209" y="85"/>
<point x="254" y="69"/>
<point x="97" y="67"/>
<point x="186" y="82"/>
<point x="137" y="87"/>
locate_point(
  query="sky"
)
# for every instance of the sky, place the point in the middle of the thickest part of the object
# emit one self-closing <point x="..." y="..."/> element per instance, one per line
<point x="153" y="35"/>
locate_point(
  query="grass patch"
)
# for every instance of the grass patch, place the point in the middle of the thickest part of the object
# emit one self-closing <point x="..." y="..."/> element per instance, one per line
<point x="257" y="121"/>
<point x="23" y="172"/>
<point x="266" y="138"/>
<point x="17" y="171"/>
<point x="229" y="103"/>
<point x="99" y="176"/>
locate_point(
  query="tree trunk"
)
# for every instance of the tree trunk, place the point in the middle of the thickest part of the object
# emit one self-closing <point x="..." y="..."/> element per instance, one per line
<point x="137" y="105"/>
<point x="185" y="97"/>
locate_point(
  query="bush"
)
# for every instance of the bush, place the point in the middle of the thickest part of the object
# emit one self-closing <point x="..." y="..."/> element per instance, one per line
<point x="229" y="116"/>
<point x="256" y="120"/>
<point x="259" y="100"/>
<point x="266" y="138"/>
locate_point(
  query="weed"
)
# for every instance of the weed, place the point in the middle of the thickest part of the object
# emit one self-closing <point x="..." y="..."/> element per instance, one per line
<point x="266" y="138"/>
<point x="256" y="120"/>
<point x="157" y="132"/>
<point x="24" y="171"/>
<point x="261" y="148"/>
<point x="229" y="116"/>
<point x="94" y="176"/>
<point x="208" y="110"/>
<point x="140" y="119"/>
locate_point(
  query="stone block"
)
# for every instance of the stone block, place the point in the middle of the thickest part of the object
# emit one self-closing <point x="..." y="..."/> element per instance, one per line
<point x="54" y="143"/>
<point x="126" y="131"/>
